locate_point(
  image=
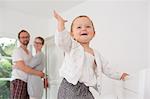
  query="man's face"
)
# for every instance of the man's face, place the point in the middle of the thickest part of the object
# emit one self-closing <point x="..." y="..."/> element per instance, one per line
<point x="24" y="38"/>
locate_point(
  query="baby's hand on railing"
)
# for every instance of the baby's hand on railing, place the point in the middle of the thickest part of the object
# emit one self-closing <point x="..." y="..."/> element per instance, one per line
<point x="124" y="76"/>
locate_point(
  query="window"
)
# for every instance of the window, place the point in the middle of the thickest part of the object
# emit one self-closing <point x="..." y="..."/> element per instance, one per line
<point x="7" y="46"/>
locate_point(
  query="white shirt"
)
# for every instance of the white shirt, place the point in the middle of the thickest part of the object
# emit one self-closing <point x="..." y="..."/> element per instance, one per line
<point x="18" y="55"/>
<point x="88" y="76"/>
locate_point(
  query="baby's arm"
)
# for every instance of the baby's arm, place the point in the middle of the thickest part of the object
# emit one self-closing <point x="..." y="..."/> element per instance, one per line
<point x="60" y="21"/>
<point x="62" y="37"/>
<point x="110" y="72"/>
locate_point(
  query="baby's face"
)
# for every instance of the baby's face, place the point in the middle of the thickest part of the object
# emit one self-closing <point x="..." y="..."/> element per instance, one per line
<point x="82" y="30"/>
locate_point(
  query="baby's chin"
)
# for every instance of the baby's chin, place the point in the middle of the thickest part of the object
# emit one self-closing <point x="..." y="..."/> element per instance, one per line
<point x="84" y="41"/>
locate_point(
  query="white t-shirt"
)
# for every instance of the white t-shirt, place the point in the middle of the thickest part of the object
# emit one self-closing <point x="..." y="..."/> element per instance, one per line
<point x="18" y="55"/>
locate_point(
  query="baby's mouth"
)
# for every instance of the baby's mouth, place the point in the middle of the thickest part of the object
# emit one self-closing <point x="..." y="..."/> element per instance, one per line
<point x="84" y="34"/>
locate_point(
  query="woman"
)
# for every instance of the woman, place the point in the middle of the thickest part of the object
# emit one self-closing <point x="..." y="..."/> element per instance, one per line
<point x="35" y="83"/>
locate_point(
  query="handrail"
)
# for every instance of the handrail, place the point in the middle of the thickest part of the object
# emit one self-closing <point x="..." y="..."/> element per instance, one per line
<point x="5" y="79"/>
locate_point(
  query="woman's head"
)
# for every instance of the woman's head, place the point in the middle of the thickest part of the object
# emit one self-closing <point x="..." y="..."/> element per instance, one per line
<point x="82" y="29"/>
<point x="38" y="43"/>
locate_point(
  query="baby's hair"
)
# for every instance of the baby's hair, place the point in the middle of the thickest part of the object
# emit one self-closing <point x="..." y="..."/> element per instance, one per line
<point x="81" y="17"/>
<point x="40" y="38"/>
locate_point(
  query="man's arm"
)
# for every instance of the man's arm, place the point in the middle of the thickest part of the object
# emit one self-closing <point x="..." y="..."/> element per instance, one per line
<point x="22" y="66"/>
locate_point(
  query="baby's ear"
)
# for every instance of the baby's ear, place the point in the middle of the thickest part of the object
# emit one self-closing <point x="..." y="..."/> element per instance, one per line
<point x="94" y="33"/>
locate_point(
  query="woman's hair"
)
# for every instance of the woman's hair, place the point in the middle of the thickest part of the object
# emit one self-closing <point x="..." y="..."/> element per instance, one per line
<point x="40" y="38"/>
<point x="81" y="17"/>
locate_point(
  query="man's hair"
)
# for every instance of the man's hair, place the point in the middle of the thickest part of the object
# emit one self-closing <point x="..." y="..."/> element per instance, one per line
<point x="21" y="32"/>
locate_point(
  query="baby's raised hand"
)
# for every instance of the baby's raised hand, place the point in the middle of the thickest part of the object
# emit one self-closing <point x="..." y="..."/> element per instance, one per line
<point x="60" y="20"/>
<point x="58" y="17"/>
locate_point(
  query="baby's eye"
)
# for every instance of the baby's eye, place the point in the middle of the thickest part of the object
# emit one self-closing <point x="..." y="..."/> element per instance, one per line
<point x="88" y="26"/>
<point x="78" y="27"/>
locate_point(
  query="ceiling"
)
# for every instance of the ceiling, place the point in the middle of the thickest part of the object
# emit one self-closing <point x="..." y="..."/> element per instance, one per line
<point x="39" y="7"/>
<point x="42" y="7"/>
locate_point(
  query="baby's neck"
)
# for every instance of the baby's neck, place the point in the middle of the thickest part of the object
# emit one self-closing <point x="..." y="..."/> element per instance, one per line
<point x="87" y="48"/>
<point x="85" y="45"/>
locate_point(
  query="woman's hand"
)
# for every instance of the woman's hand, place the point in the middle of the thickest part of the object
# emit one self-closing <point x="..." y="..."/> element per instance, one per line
<point x="61" y="21"/>
<point x="46" y="85"/>
<point x="40" y="73"/>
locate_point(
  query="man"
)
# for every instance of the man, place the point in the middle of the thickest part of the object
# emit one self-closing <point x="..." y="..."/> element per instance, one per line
<point x="20" y="70"/>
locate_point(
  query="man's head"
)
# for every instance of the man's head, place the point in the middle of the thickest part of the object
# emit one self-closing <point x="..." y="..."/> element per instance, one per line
<point x="24" y="37"/>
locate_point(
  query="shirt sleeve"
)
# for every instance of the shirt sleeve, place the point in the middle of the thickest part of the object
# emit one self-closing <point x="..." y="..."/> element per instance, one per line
<point x="63" y="40"/>
<point x="108" y="71"/>
<point x="17" y="56"/>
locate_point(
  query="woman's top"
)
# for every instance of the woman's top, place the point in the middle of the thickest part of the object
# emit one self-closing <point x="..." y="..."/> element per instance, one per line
<point x="35" y="83"/>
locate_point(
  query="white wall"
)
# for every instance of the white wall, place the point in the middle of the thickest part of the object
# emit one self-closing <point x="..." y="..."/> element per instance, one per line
<point x="149" y="33"/>
<point x="1" y="21"/>
<point x="121" y="31"/>
<point x="14" y="21"/>
<point x="147" y="84"/>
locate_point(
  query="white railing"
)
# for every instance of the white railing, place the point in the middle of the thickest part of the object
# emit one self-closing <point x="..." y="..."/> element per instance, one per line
<point x="5" y="79"/>
<point x="135" y="86"/>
